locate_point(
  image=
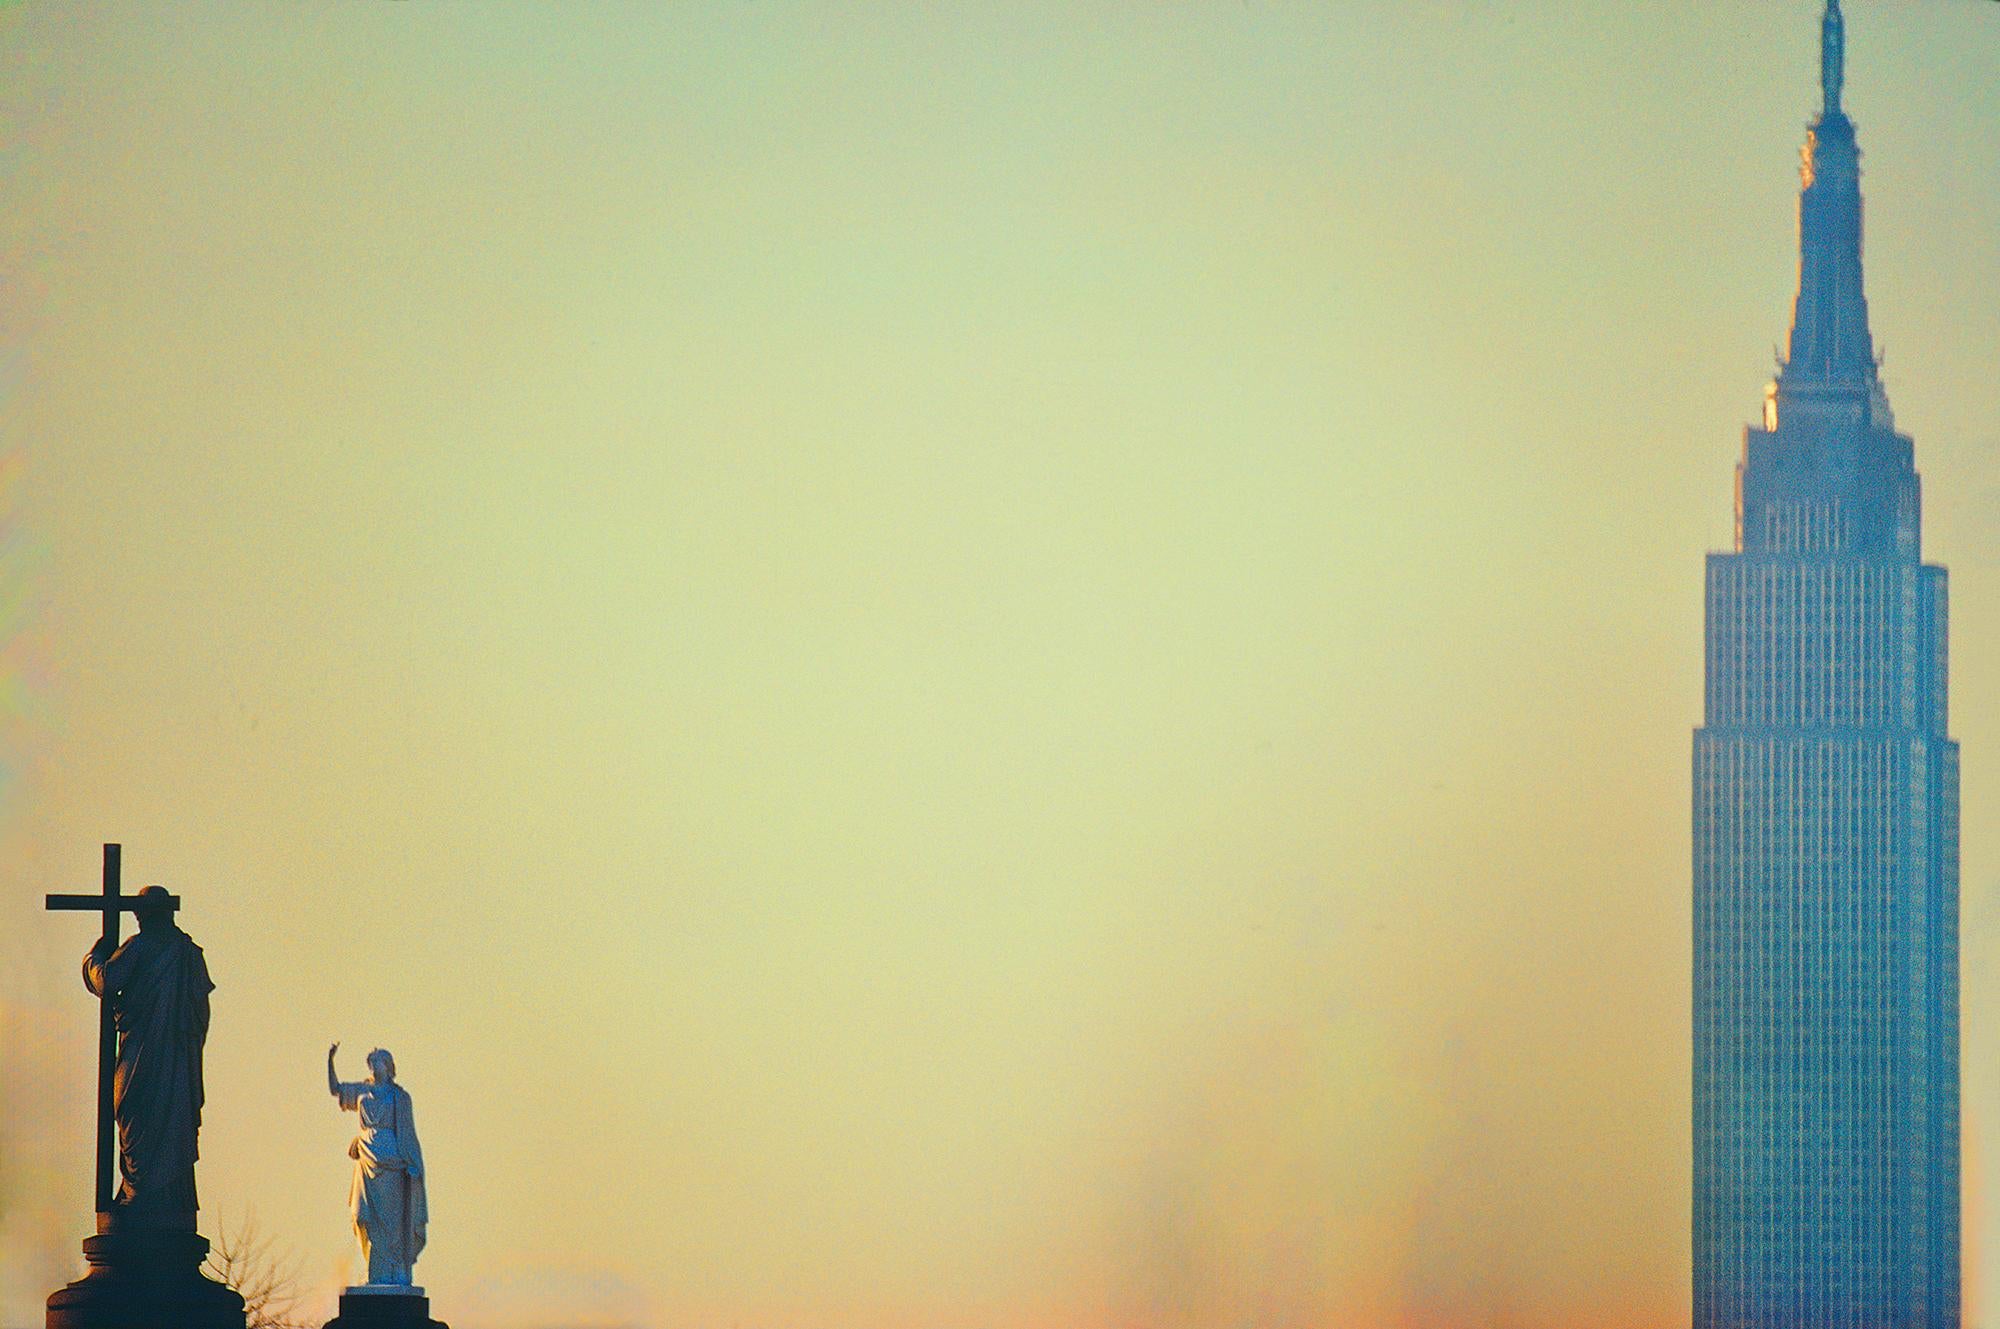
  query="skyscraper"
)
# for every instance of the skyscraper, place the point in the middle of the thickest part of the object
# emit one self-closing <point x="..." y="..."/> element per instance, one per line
<point x="1826" y="837"/>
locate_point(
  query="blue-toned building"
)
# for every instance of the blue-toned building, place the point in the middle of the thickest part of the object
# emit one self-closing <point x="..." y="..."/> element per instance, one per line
<point x="1826" y="1142"/>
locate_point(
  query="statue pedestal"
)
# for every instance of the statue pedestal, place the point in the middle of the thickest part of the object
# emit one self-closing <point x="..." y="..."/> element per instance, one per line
<point x="148" y="1278"/>
<point x="376" y="1306"/>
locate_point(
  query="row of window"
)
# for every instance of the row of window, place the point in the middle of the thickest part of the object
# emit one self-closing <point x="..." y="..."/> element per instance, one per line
<point x="1807" y="526"/>
<point x="1813" y="644"/>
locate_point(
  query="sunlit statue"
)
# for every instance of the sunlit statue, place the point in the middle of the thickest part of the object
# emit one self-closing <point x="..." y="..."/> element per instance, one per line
<point x="158" y="986"/>
<point x="387" y="1198"/>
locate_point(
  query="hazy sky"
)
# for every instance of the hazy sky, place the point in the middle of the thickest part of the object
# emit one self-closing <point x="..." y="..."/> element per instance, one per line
<point x="943" y="666"/>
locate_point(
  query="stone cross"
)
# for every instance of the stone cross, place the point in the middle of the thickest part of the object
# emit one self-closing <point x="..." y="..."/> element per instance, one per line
<point x="110" y="903"/>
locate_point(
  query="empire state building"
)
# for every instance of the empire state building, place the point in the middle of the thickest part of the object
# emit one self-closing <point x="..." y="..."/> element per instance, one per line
<point x="1826" y="1141"/>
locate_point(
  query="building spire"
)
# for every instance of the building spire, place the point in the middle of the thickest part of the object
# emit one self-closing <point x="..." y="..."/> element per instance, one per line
<point x="1830" y="344"/>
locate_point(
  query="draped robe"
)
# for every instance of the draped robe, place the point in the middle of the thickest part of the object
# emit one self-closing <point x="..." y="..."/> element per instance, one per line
<point x="386" y="1200"/>
<point x="158" y="986"/>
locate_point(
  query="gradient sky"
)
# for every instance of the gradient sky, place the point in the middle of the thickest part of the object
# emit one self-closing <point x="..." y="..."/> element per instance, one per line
<point x="952" y="666"/>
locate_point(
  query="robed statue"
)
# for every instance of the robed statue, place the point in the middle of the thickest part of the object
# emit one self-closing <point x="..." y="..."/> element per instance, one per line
<point x="157" y="984"/>
<point x="386" y="1199"/>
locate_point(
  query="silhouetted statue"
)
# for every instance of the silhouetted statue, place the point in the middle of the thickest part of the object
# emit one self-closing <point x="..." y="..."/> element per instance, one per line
<point x="157" y="985"/>
<point x="152" y="1019"/>
<point x="390" y="1210"/>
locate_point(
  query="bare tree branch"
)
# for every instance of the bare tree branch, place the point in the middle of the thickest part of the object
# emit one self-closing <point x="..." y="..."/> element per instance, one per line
<point x="268" y="1282"/>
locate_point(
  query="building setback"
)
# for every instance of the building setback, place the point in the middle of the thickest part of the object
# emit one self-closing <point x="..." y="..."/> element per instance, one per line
<point x="1826" y="1154"/>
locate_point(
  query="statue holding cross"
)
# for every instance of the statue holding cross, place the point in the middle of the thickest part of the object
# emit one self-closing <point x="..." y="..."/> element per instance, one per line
<point x="155" y="992"/>
<point x="153" y="1019"/>
<point x="157" y="985"/>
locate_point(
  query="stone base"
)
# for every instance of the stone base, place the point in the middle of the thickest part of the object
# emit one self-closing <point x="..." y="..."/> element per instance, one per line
<point x="145" y="1279"/>
<point x="376" y="1306"/>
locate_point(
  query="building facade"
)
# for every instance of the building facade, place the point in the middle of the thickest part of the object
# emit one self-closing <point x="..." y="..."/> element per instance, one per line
<point x="1826" y="1149"/>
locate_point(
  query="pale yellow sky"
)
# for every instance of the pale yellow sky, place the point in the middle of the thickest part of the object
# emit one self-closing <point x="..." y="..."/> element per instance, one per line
<point x="934" y="668"/>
